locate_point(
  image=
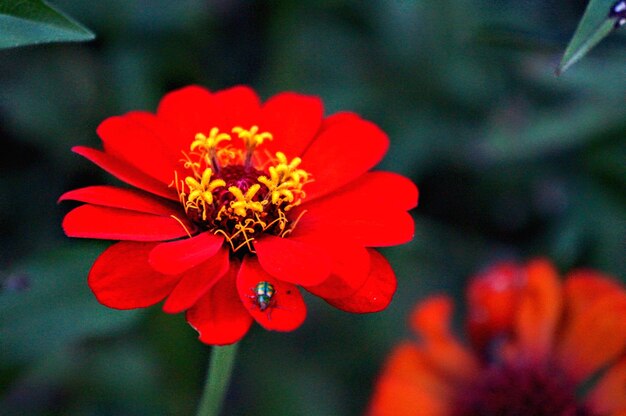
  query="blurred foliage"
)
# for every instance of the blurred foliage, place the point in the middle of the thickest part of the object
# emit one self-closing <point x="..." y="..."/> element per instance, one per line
<point x="43" y="306"/>
<point x="27" y="22"/>
<point x="511" y="161"/>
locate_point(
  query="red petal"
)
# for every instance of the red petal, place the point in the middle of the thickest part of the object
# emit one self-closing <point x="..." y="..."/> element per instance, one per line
<point x="373" y="192"/>
<point x="368" y="229"/>
<point x="341" y="117"/>
<point x="195" y="282"/>
<point x="238" y="106"/>
<point x="293" y="119"/>
<point x="350" y="269"/>
<point x="293" y="261"/>
<point x="169" y="138"/>
<point x="493" y="298"/>
<point x="91" y="221"/>
<point x="286" y="311"/>
<point x="341" y="154"/>
<point x="175" y="257"/>
<point x="408" y="382"/>
<point x="189" y="110"/>
<point x="129" y="199"/>
<point x="584" y="287"/>
<point x="121" y="277"/>
<point x="125" y="172"/>
<point x="608" y="397"/>
<point x="594" y="333"/>
<point x="377" y="292"/>
<point x="354" y="212"/>
<point x="193" y="110"/>
<point x="431" y="320"/>
<point x="539" y="309"/>
<point x="219" y="316"/>
<point x="127" y="139"/>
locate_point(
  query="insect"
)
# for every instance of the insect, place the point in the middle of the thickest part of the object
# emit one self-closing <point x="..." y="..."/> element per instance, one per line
<point x="263" y="296"/>
<point x="618" y="11"/>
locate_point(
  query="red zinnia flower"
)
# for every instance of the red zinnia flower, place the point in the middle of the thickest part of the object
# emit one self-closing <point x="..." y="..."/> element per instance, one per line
<point x="238" y="203"/>
<point x="539" y="348"/>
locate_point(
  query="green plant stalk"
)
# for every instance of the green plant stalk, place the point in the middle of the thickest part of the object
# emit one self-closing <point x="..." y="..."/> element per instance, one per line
<point x="217" y="380"/>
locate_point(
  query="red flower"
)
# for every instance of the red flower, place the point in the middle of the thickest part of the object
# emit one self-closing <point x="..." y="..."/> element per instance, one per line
<point x="239" y="203"/>
<point x="539" y="348"/>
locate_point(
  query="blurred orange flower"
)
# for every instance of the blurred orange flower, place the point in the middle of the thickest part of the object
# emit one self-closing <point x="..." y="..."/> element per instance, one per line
<point x="538" y="347"/>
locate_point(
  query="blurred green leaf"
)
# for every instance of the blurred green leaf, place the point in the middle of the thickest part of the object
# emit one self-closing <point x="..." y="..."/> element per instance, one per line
<point x="27" y="22"/>
<point x="518" y="133"/>
<point x="46" y="304"/>
<point x="593" y="27"/>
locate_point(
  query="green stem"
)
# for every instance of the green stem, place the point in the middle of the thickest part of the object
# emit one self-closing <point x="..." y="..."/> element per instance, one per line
<point x="217" y="380"/>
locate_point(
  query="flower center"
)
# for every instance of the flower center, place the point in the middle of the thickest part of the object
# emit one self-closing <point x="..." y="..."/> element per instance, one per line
<point x="521" y="389"/>
<point x="239" y="192"/>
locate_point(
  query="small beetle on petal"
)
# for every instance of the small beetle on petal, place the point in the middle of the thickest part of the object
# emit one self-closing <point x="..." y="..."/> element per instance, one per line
<point x="263" y="295"/>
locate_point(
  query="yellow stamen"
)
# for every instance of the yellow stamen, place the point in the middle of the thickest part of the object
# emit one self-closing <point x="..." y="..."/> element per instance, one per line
<point x="181" y="224"/>
<point x="240" y="214"/>
<point x="206" y="144"/>
<point x="243" y="203"/>
<point x="242" y="231"/>
<point x="285" y="182"/>
<point x="201" y="193"/>
<point x="252" y="138"/>
<point x="228" y="156"/>
<point x="206" y="148"/>
<point x="293" y="226"/>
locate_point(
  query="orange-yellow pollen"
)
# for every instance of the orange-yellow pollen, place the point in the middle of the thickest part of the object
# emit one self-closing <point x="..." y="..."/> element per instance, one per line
<point x="234" y="192"/>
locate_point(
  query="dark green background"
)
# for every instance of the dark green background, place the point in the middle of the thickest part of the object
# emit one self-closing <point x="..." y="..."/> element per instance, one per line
<point x="511" y="162"/>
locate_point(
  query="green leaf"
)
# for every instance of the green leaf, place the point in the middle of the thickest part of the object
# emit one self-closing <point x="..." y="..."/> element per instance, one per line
<point x="543" y="132"/>
<point x="27" y="22"/>
<point x="593" y="27"/>
<point x="45" y="304"/>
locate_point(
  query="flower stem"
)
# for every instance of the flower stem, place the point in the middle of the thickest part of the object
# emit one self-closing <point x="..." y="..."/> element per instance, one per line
<point x="217" y="380"/>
